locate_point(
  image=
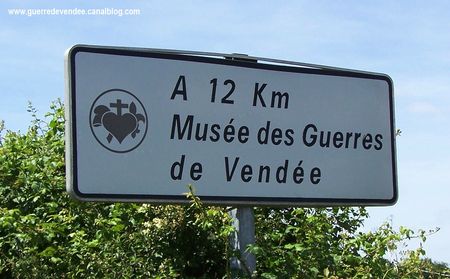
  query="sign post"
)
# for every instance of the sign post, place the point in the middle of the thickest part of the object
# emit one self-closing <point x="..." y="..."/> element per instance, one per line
<point x="243" y="220"/>
<point x="144" y="123"/>
<point x="244" y="223"/>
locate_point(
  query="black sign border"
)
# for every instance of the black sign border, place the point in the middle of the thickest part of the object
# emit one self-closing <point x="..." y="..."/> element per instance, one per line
<point x="71" y="148"/>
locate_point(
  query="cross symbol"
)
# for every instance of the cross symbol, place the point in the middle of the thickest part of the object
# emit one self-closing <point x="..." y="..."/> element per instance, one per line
<point x="118" y="104"/>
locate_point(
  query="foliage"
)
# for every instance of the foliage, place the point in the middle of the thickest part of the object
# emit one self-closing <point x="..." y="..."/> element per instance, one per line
<point x="328" y="243"/>
<point x="46" y="234"/>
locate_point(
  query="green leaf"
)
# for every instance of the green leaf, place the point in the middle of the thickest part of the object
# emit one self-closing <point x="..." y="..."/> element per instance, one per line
<point x="48" y="252"/>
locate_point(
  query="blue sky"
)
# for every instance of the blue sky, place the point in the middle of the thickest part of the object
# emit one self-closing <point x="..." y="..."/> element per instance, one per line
<point x="408" y="40"/>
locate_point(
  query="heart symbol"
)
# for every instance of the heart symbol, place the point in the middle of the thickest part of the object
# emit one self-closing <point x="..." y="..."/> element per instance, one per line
<point x="120" y="126"/>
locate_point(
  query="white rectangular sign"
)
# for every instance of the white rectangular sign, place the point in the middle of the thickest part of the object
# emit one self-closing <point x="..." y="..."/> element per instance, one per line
<point x="142" y="125"/>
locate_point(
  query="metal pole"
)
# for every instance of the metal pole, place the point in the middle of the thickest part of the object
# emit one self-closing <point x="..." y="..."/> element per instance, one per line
<point x="244" y="223"/>
<point x="243" y="218"/>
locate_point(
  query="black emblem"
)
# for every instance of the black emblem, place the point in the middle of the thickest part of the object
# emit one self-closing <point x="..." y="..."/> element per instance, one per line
<point x="118" y="120"/>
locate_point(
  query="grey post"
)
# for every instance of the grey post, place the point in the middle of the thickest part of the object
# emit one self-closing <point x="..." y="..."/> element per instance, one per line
<point x="244" y="223"/>
<point x="243" y="219"/>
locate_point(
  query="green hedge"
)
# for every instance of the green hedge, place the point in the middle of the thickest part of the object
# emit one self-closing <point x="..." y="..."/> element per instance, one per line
<point x="46" y="234"/>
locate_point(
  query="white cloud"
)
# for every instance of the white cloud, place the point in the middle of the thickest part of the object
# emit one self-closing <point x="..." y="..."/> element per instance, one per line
<point x="423" y="108"/>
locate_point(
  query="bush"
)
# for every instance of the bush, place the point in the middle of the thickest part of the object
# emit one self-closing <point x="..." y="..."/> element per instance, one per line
<point x="45" y="234"/>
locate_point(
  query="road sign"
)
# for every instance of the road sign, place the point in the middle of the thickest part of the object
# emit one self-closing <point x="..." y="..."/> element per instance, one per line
<point x="143" y="124"/>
